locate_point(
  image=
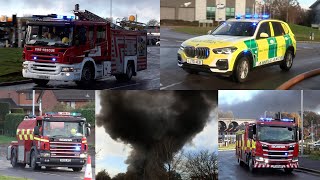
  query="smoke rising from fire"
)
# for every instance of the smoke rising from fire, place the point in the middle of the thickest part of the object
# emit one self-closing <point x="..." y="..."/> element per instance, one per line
<point x="155" y="123"/>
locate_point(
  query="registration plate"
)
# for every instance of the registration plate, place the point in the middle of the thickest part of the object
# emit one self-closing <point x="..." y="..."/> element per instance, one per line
<point x="65" y="160"/>
<point x="43" y="77"/>
<point x="194" y="61"/>
<point x="277" y="166"/>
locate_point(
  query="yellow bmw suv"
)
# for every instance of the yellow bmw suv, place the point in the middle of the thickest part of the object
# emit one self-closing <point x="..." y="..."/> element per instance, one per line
<point x="238" y="46"/>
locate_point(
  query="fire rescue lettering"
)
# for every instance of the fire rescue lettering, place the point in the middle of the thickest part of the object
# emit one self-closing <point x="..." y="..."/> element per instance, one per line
<point x="25" y="134"/>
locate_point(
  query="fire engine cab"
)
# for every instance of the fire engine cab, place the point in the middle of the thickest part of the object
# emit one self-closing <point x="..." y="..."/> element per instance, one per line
<point x="81" y="48"/>
<point x="268" y="143"/>
<point x="53" y="140"/>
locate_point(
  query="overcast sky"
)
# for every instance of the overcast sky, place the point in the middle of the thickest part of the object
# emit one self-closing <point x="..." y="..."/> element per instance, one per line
<point x="145" y="9"/>
<point x="253" y="104"/>
<point x="111" y="154"/>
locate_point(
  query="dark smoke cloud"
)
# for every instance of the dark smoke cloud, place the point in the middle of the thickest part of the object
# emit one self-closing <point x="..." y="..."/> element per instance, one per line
<point x="151" y="120"/>
<point x="265" y="101"/>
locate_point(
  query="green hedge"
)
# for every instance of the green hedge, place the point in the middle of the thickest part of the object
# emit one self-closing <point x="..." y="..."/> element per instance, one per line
<point x="89" y="114"/>
<point x="4" y="109"/>
<point x="11" y="123"/>
<point x="17" y="110"/>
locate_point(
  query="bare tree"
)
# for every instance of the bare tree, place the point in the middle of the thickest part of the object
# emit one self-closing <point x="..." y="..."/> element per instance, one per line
<point x="201" y="165"/>
<point x="153" y="22"/>
<point x="103" y="175"/>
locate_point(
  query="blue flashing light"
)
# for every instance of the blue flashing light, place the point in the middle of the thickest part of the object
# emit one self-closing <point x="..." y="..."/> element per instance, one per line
<point x="254" y="24"/>
<point x="287" y="120"/>
<point x="78" y="148"/>
<point x="265" y="16"/>
<point x="266" y="119"/>
<point x="245" y="51"/>
<point x="248" y="16"/>
<point x="75" y="114"/>
<point x="65" y="17"/>
<point x="54" y="59"/>
<point x="238" y="16"/>
<point x="256" y="16"/>
<point x="286" y="154"/>
<point x="35" y="58"/>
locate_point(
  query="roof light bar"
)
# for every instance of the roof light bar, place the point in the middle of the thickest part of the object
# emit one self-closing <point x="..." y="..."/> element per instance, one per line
<point x="63" y="113"/>
<point x="252" y="16"/>
<point x="271" y="119"/>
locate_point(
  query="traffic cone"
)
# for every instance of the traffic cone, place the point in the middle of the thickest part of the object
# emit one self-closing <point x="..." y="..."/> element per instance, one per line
<point x="88" y="172"/>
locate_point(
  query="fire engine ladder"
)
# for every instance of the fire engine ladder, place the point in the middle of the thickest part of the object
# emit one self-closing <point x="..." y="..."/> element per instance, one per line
<point x="89" y="16"/>
<point x="131" y="25"/>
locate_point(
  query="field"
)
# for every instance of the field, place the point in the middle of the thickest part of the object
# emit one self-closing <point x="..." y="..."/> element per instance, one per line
<point x="6" y="139"/>
<point x="11" y="64"/>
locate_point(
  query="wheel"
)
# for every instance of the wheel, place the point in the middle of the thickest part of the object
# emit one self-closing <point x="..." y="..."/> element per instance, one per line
<point x="87" y="76"/>
<point x="77" y="169"/>
<point x="288" y="170"/>
<point x="14" y="162"/>
<point x="250" y="163"/>
<point x="242" y="69"/>
<point x="286" y="64"/>
<point x="33" y="163"/>
<point x="128" y="75"/>
<point x="40" y="82"/>
<point x="240" y="162"/>
<point x="22" y="165"/>
<point x="191" y="71"/>
<point x="48" y="167"/>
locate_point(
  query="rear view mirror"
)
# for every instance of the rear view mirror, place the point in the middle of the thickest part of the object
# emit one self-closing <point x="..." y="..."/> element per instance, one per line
<point x="36" y="131"/>
<point x="264" y="35"/>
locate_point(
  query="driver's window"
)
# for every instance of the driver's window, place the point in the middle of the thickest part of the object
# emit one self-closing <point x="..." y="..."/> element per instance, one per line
<point x="81" y="35"/>
<point x="264" y="28"/>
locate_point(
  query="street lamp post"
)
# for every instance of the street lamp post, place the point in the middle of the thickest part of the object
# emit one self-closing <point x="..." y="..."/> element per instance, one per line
<point x="302" y="121"/>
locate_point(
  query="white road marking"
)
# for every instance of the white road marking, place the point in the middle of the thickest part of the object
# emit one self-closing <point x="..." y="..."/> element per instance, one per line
<point x="164" y="40"/>
<point x="180" y="41"/>
<point x="171" y="85"/>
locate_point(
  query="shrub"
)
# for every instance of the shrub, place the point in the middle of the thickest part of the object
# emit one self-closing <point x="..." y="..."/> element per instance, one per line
<point x="11" y="123"/>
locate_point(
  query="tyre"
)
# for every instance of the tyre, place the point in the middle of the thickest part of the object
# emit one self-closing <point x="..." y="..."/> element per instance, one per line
<point x="241" y="70"/>
<point x="251" y="165"/>
<point x="191" y="71"/>
<point x="240" y="162"/>
<point x="40" y="82"/>
<point x="286" y="64"/>
<point x="87" y="76"/>
<point x="128" y="75"/>
<point x="77" y="169"/>
<point x="33" y="162"/>
<point x="288" y="170"/>
<point x="14" y="162"/>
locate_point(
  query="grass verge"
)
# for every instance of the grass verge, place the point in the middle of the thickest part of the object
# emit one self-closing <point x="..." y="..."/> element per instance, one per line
<point x="11" y="64"/>
<point x="229" y="147"/>
<point x="6" y="139"/>
<point x="11" y="178"/>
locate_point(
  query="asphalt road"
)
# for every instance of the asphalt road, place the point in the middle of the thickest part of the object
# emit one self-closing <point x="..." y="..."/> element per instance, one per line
<point x="145" y="80"/>
<point x="52" y="174"/>
<point x="229" y="169"/>
<point x="174" y="78"/>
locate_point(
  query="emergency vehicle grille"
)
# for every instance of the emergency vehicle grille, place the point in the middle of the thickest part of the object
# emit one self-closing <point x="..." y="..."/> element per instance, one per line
<point x="44" y="56"/>
<point x="199" y="52"/>
<point x="279" y="154"/>
<point x="44" y="68"/>
<point x="65" y="149"/>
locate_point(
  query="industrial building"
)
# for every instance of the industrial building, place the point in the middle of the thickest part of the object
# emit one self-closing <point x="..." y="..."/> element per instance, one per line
<point x="198" y="10"/>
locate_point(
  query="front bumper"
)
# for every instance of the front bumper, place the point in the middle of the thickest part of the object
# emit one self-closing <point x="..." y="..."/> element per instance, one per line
<point x="276" y="165"/>
<point x="62" y="162"/>
<point x="219" y="64"/>
<point x="46" y="71"/>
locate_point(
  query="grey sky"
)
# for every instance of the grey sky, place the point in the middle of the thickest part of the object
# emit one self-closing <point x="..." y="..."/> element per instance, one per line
<point x="254" y="105"/>
<point x="145" y="9"/>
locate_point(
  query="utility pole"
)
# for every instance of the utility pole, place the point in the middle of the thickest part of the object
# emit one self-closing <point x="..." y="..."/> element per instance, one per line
<point x="302" y="122"/>
<point x="312" y="137"/>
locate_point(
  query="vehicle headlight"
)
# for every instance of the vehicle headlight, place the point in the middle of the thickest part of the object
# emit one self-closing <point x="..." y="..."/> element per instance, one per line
<point x="258" y="158"/>
<point x="25" y="66"/>
<point x="181" y="48"/>
<point x="226" y="50"/>
<point x="83" y="155"/>
<point x="67" y="69"/>
<point x="295" y="159"/>
<point x="44" y="154"/>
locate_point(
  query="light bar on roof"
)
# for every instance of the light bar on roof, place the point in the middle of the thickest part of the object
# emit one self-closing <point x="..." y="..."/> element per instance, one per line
<point x="252" y="16"/>
<point x="271" y="119"/>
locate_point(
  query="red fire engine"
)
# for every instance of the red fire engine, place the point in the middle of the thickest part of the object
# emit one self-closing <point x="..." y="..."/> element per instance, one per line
<point x="82" y="48"/>
<point x="52" y="140"/>
<point x="268" y="143"/>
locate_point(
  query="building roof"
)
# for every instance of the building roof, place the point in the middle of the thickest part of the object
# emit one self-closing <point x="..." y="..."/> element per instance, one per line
<point x="74" y="95"/>
<point x="315" y="4"/>
<point x="10" y="101"/>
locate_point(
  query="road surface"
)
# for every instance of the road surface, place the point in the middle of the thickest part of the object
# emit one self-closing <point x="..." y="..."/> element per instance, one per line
<point x="43" y="174"/>
<point x="229" y="169"/>
<point x="174" y="78"/>
<point x="145" y="80"/>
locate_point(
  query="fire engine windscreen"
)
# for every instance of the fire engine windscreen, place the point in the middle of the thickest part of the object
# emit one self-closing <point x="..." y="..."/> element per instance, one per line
<point x="277" y="134"/>
<point x="235" y="28"/>
<point x="64" y="129"/>
<point x="45" y="35"/>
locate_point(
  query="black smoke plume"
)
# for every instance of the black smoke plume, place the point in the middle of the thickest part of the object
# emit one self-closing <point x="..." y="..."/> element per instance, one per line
<point x="152" y="121"/>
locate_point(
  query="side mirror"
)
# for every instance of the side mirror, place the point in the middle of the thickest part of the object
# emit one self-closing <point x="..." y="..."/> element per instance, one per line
<point x="209" y="32"/>
<point x="88" y="131"/>
<point x="88" y="125"/>
<point x="264" y="35"/>
<point x="36" y="131"/>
